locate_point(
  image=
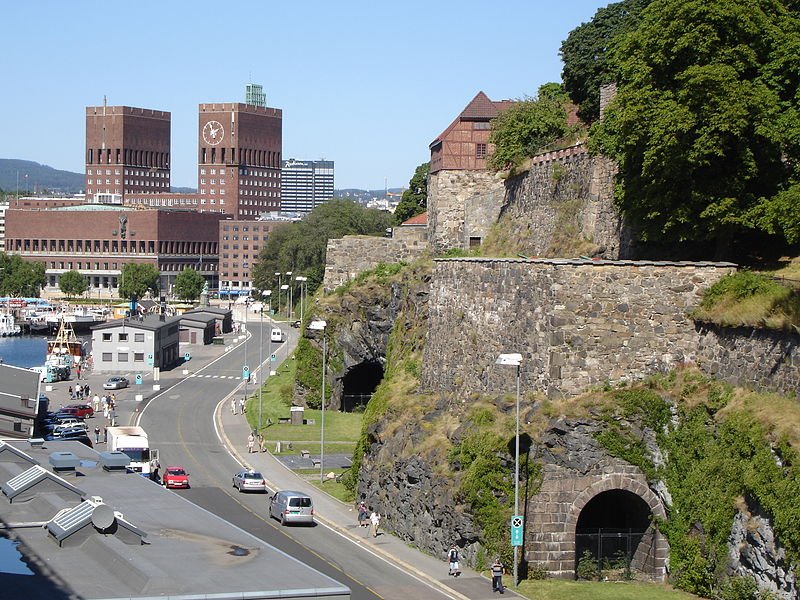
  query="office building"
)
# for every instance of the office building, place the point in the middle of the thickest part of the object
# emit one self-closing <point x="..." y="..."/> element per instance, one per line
<point x="305" y="184"/>
<point x="127" y="150"/>
<point x="240" y="242"/>
<point x="239" y="160"/>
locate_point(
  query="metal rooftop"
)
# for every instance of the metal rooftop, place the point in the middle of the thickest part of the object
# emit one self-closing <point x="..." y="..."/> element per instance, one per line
<point x="187" y="551"/>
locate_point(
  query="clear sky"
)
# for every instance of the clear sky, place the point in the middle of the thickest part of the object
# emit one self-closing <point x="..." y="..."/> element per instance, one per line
<point x="366" y="84"/>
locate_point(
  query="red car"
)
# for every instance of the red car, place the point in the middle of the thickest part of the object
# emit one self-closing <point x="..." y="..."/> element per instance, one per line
<point x="82" y="411"/>
<point x="175" y="477"/>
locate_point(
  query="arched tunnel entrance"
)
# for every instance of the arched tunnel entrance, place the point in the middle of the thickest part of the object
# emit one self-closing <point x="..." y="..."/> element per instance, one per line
<point x="615" y="528"/>
<point x="359" y="383"/>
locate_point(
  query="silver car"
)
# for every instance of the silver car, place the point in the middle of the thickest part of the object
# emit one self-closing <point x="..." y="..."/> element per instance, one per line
<point x="249" y="481"/>
<point x="115" y="383"/>
<point x="292" y="507"/>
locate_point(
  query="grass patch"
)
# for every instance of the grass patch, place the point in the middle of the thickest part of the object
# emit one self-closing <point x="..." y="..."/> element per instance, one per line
<point x="557" y="589"/>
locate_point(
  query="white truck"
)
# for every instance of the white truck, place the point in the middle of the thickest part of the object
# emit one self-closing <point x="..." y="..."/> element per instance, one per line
<point x="132" y="440"/>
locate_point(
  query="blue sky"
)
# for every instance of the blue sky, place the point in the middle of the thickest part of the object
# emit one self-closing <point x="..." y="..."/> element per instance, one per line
<point x="366" y="84"/>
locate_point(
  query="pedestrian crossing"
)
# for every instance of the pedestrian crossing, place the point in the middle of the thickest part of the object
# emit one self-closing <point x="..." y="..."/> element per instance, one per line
<point x="215" y="376"/>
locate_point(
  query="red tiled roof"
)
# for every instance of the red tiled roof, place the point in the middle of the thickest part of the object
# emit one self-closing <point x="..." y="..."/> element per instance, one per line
<point x="480" y="108"/>
<point x="420" y="219"/>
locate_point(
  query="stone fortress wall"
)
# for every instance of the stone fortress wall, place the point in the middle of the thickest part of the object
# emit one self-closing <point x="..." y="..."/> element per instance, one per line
<point x="577" y="323"/>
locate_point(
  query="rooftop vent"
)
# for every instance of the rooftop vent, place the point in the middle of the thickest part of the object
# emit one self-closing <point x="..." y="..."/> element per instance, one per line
<point x="9" y="453"/>
<point x="36" y="442"/>
<point x="114" y="461"/>
<point x="76" y="524"/>
<point x="36" y="477"/>
<point x="64" y="463"/>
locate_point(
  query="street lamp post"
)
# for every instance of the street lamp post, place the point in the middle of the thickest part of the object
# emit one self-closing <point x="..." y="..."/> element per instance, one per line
<point x="289" y="307"/>
<point x="320" y="326"/>
<point x="279" y="275"/>
<point x="284" y="288"/>
<point x="514" y="360"/>
<point x="302" y="281"/>
<point x="264" y="293"/>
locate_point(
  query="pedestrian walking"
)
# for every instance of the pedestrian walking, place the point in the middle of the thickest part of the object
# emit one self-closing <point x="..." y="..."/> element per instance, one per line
<point x="86" y="391"/>
<point x="241" y="405"/>
<point x="363" y="514"/>
<point x="233" y="406"/>
<point x="375" y="522"/>
<point x="96" y="403"/>
<point x="497" y="569"/>
<point x="69" y="391"/>
<point x="105" y="434"/>
<point x="251" y="440"/>
<point x="260" y="443"/>
<point x="78" y="391"/>
<point x="97" y="435"/>
<point x="452" y="556"/>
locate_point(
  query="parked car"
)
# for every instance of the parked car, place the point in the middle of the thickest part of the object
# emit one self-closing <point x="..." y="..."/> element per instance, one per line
<point x="76" y="436"/>
<point x="292" y="507"/>
<point x="296" y="324"/>
<point x="82" y="411"/>
<point x="115" y="383"/>
<point x="69" y="424"/>
<point x="68" y="432"/>
<point x="249" y="481"/>
<point x="175" y="477"/>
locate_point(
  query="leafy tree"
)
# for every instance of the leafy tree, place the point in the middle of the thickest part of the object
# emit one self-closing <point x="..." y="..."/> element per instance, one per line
<point x="415" y="198"/>
<point x="188" y="284"/>
<point x="20" y="277"/>
<point x="72" y="284"/>
<point x="705" y="126"/>
<point x="527" y="127"/>
<point x="584" y="53"/>
<point x="138" y="278"/>
<point x="300" y="246"/>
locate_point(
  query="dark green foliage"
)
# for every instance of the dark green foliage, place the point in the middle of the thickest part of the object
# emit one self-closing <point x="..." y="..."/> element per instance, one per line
<point x="588" y="567"/>
<point x="189" y="284"/>
<point x="19" y="277"/>
<point x="300" y="247"/>
<point x="705" y="124"/>
<point x="381" y="274"/>
<point x="72" y="284"/>
<point x="415" y="198"/>
<point x="138" y="279"/>
<point x="309" y="367"/>
<point x="739" y="285"/>
<point x="584" y="53"/>
<point x="528" y="127"/>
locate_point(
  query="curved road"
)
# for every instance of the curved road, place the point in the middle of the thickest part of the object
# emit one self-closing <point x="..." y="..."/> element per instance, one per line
<point x="180" y="423"/>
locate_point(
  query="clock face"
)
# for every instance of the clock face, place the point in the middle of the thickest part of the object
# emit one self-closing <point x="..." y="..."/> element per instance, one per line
<point x="213" y="133"/>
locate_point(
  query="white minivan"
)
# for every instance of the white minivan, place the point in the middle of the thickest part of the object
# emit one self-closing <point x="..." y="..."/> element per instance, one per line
<point x="276" y="335"/>
<point x="292" y="507"/>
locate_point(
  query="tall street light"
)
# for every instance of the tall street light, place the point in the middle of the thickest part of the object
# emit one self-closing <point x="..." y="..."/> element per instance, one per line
<point x="264" y="293"/>
<point x="289" y="307"/>
<point x="302" y="281"/>
<point x="279" y="275"/>
<point x="320" y="326"/>
<point x="514" y="360"/>
<point x="284" y="288"/>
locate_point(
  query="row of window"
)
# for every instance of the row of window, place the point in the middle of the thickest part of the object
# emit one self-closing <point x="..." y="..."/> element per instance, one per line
<point x="161" y="201"/>
<point x="245" y="238"/>
<point x="123" y="356"/>
<point x="213" y="181"/>
<point x="123" y="337"/>
<point x="212" y="171"/>
<point x="133" y="172"/>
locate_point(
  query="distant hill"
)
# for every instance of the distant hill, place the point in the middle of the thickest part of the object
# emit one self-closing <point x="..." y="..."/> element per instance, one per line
<point x="39" y="177"/>
<point x="46" y="179"/>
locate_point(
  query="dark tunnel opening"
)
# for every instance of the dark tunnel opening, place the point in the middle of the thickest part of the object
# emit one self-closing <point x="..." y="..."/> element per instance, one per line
<point x="359" y="383"/>
<point x="611" y="526"/>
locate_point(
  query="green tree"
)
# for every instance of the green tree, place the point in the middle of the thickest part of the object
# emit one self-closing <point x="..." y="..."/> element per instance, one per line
<point x="20" y="277"/>
<point x="528" y="126"/>
<point x="137" y="279"/>
<point x="300" y="246"/>
<point x="188" y="284"/>
<point x="584" y="54"/>
<point x="705" y="126"/>
<point x="72" y="284"/>
<point x="415" y="198"/>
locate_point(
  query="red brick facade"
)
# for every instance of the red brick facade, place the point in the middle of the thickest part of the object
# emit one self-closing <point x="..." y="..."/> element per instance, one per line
<point x="239" y="161"/>
<point x="240" y="242"/>
<point x="97" y="241"/>
<point x="127" y="150"/>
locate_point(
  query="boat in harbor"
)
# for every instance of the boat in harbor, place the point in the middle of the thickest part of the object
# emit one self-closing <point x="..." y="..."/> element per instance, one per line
<point x="81" y="318"/>
<point x="65" y="347"/>
<point x="8" y="326"/>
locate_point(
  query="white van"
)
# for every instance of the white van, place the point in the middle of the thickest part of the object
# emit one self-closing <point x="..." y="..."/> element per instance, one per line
<point x="292" y="507"/>
<point x="276" y="335"/>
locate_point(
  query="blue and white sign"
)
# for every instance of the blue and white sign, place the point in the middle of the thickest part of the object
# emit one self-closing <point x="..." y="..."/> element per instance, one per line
<point x="517" y="525"/>
<point x="138" y="379"/>
<point x="245" y="372"/>
<point x="149" y="360"/>
<point x="187" y="357"/>
<point x="273" y="357"/>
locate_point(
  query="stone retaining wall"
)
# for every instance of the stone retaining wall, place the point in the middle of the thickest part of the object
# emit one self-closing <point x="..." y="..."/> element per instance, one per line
<point x="576" y="323"/>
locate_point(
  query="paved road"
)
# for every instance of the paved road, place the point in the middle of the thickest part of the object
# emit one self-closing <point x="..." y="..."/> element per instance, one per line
<point x="180" y="423"/>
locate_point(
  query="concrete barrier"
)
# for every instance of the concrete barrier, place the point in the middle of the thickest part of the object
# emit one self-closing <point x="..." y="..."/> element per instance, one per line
<point x="156" y="387"/>
<point x="139" y="397"/>
<point x="48" y="388"/>
<point x="185" y="371"/>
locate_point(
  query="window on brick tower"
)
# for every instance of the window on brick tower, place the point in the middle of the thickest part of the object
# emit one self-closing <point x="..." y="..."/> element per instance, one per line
<point x="480" y="150"/>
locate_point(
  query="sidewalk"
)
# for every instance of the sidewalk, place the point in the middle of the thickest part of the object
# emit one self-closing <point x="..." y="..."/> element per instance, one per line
<point x="341" y="517"/>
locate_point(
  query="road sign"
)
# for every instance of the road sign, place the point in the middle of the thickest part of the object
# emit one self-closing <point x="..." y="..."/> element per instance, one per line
<point x="245" y="372"/>
<point x="273" y="357"/>
<point x="138" y="379"/>
<point x="187" y="357"/>
<point x="149" y="360"/>
<point x="517" y="525"/>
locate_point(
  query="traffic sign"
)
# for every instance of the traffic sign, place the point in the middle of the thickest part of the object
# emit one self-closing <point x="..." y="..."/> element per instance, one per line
<point x="138" y="379"/>
<point x="517" y="526"/>
<point x="273" y="357"/>
<point x="149" y="360"/>
<point x="187" y="357"/>
<point x="245" y="372"/>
